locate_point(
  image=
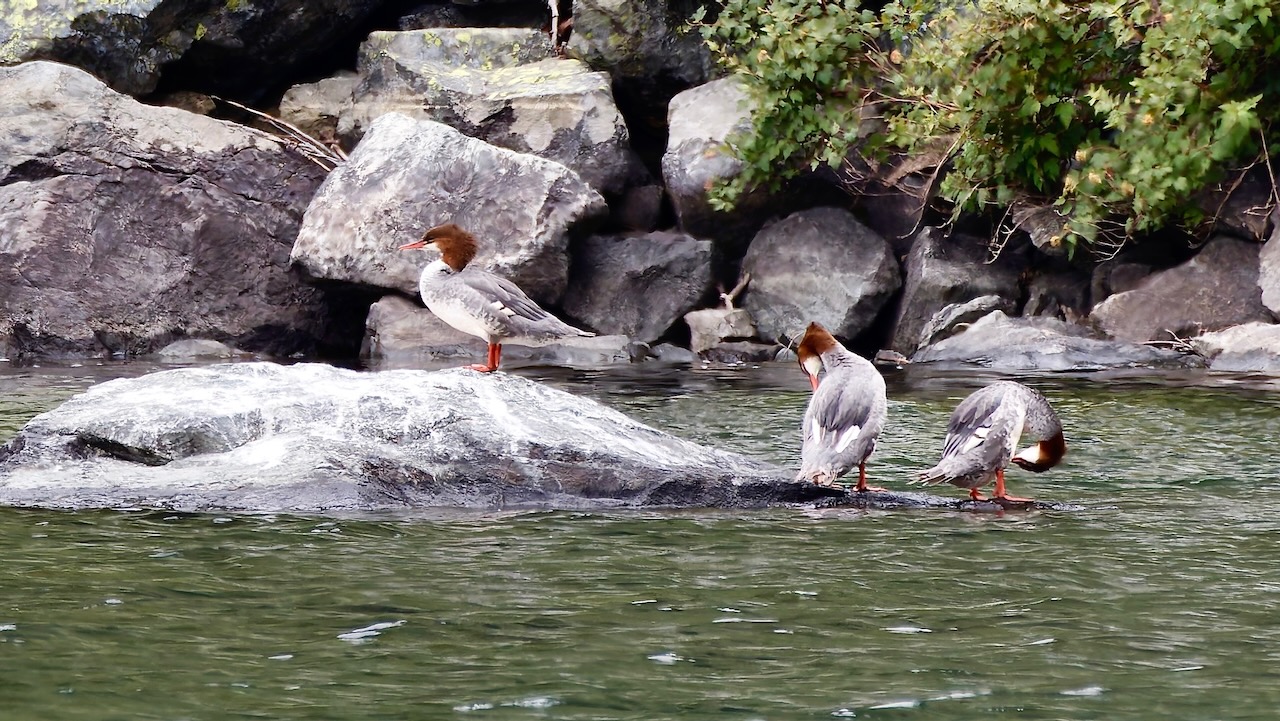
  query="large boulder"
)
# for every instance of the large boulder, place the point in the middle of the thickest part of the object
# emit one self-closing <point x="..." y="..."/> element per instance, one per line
<point x="1043" y="344"/>
<point x="943" y="270"/>
<point x="818" y="265"/>
<point x="474" y="14"/>
<point x="1116" y="276"/>
<point x="400" y="333"/>
<point x="225" y="46"/>
<point x="124" y="226"/>
<point x="700" y="122"/>
<point x="710" y="327"/>
<point x="1242" y="204"/>
<point x="638" y="286"/>
<point x="317" y="439"/>
<point x="1216" y="289"/>
<point x="503" y="86"/>
<point x="409" y="175"/>
<point x="1248" y="348"/>
<point x="315" y="108"/>
<point x="1269" y="272"/>
<point x="645" y="47"/>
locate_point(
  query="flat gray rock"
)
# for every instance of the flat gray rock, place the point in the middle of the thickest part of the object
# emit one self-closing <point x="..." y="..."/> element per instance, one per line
<point x="1044" y="344"/>
<point x="311" y="438"/>
<point x="1248" y="348"/>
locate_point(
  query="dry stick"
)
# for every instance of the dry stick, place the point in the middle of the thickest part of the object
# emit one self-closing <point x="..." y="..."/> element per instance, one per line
<point x="933" y="181"/>
<point x="331" y="154"/>
<point x="1002" y="235"/>
<point x="1275" y="194"/>
<point x="1182" y="345"/>
<point x="731" y="295"/>
<point x="555" y="22"/>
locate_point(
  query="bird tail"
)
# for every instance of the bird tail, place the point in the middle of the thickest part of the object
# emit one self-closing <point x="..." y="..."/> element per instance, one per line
<point x="944" y="472"/>
<point x="930" y="477"/>
<point x="958" y="471"/>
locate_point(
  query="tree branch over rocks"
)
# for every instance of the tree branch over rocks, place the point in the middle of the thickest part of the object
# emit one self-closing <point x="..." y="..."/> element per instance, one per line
<point x="327" y="156"/>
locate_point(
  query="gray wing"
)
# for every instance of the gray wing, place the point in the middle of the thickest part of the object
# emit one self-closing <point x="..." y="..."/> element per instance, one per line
<point x="837" y="407"/>
<point x="990" y="419"/>
<point x="981" y="436"/>
<point x="843" y="421"/>
<point x="504" y="297"/>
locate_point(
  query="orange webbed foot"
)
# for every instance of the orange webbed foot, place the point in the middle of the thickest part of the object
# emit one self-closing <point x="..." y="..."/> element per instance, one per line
<point x="480" y="367"/>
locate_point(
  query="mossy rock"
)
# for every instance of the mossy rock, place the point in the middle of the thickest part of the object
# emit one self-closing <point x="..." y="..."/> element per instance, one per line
<point x="474" y="48"/>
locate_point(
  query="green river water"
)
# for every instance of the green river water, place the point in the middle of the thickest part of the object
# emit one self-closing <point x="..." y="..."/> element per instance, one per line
<point x="1159" y="600"/>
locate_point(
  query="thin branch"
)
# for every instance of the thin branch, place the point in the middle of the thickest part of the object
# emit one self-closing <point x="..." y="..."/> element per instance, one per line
<point x="1266" y="158"/>
<point x="1179" y="344"/>
<point x="729" y="297"/>
<point x="317" y="151"/>
<point x="555" y="22"/>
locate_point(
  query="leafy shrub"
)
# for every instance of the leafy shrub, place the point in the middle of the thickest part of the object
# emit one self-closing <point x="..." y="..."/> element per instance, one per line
<point x="1114" y="113"/>
<point x="805" y="63"/>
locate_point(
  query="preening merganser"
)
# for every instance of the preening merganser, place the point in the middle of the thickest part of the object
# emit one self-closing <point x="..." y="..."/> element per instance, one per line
<point x="845" y="414"/>
<point x="983" y="434"/>
<point x="480" y="303"/>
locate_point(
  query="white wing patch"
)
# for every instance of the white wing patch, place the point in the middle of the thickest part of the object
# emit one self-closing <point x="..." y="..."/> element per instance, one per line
<point x="978" y="438"/>
<point x="847" y="438"/>
<point x="815" y="430"/>
<point x="500" y="307"/>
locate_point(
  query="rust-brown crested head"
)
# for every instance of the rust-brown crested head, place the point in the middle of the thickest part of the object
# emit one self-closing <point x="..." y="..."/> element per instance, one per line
<point x="1049" y="453"/>
<point x="815" y="342"/>
<point x="457" y="246"/>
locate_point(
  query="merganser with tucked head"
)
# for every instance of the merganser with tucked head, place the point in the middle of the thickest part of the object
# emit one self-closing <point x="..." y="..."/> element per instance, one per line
<point x="983" y="435"/>
<point x="480" y="303"/>
<point x="846" y="413"/>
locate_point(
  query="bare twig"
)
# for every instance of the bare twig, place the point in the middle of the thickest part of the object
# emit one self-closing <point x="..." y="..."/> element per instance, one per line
<point x="729" y="297"/>
<point x="555" y="22"/>
<point x="326" y="156"/>
<point x="1179" y="344"/>
<point x="1271" y="173"/>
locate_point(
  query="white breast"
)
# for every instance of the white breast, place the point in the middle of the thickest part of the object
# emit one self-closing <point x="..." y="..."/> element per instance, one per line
<point x="458" y="316"/>
<point x="443" y="298"/>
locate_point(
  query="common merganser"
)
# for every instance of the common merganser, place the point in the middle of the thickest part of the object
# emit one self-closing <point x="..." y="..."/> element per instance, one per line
<point x="983" y="435"/>
<point x="480" y="303"/>
<point x="845" y="414"/>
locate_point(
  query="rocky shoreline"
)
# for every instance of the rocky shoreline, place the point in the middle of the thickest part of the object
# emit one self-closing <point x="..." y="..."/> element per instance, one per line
<point x="583" y="167"/>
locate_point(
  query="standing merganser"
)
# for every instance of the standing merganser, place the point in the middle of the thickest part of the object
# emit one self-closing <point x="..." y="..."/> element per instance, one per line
<point x="845" y="414"/>
<point x="480" y="303"/>
<point x="983" y="434"/>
